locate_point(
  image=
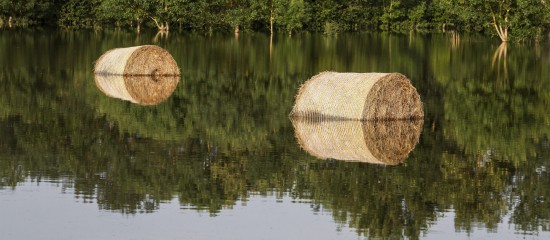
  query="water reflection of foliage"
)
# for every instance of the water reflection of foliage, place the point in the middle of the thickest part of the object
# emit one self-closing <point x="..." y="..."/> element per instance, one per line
<point x="501" y="104"/>
<point x="211" y="149"/>
<point x="203" y="165"/>
<point x="530" y="194"/>
<point x="496" y="114"/>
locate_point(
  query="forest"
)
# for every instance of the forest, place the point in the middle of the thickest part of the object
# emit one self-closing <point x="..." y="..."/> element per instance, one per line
<point x="507" y="20"/>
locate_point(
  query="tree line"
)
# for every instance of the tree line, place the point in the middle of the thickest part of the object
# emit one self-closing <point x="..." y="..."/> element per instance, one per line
<point x="507" y="19"/>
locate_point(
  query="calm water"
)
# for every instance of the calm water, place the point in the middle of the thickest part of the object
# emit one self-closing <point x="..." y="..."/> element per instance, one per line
<point x="219" y="159"/>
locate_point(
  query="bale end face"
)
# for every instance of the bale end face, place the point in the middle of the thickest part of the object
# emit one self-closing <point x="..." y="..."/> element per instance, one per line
<point x="393" y="97"/>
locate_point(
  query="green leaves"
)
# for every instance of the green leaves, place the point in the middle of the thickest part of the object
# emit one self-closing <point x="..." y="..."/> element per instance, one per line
<point x="31" y="12"/>
<point x="79" y="14"/>
<point x="519" y="20"/>
<point x="290" y="15"/>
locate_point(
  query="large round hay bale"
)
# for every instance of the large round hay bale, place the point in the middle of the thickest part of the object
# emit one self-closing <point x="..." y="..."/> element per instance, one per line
<point x="358" y="96"/>
<point x="137" y="61"/>
<point x="380" y="142"/>
<point x="144" y="90"/>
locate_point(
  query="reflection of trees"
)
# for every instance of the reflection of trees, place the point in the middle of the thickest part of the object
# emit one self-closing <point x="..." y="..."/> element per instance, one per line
<point x="377" y="201"/>
<point x="124" y="169"/>
<point x="477" y="192"/>
<point x="455" y="40"/>
<point x="500" y="53"/>
<point x="482" y="154"/>
<point x="529" y="197"/>
<point x="498" y="109"/>
<point x="498" y="118"/>
<point x="499" y="58"/>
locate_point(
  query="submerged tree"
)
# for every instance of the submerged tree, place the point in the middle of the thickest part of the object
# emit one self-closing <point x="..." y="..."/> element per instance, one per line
<point x="511" y="19"/>
<point x="500" y="13"/>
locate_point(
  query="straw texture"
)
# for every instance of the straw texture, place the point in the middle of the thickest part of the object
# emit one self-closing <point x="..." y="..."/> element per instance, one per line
<point x="358" y="96"/>
<point x="143" y="90"/>
<point x="137" y="61"/>
<point x="379" y="142"/>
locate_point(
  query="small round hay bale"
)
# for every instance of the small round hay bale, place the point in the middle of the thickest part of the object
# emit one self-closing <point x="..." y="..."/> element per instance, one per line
<point x="137" y="61"/>
<point x="143" y="90"/>
<point x="358" y="96"/>
<point x="380" y="142"/>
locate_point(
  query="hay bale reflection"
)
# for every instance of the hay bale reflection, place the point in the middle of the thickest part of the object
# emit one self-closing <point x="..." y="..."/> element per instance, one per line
<point x="143" y="90"/>
<point x="380" y="142"/>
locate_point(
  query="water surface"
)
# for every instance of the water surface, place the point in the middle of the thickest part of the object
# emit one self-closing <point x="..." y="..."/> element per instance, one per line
<point x="219" y="158"/>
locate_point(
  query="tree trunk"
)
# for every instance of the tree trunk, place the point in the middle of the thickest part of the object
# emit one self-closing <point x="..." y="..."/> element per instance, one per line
<point x="500" y="26"/>
<point x="271" y="21"/>
<point x="138" y="28"/>
<point x="501" y="31"/>
<point x="10" y="20"/>
<point x="162" y="27"/>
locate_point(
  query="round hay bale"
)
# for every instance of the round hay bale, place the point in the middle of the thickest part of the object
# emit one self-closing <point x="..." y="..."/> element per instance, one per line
<point x="380" y="142"/>
<point x="137" y="61"/>
<point x="143" y="90"/>
<point x="358" y="96"/>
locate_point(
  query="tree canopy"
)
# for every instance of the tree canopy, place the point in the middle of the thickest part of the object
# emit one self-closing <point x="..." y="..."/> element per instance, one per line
<point x="507" y="19"/>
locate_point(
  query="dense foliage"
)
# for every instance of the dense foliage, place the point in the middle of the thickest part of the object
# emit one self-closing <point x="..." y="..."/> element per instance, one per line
<point x="524" y="19"/>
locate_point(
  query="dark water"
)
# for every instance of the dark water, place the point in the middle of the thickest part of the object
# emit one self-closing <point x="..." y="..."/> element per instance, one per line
<point x="219" y="159"/>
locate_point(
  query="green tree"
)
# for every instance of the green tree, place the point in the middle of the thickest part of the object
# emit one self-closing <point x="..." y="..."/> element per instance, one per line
<point x="236" y="13"/>
<point x="392" y="14"/>
<point x="25" y="13"/>
<point x="417" y="15"/>
<point x="530" y="20"/>
<point x="79" y="14"/>
<point x="508" y="17"/>
<point x="360" y="14"/>
<point x="140" y="10"/>
<point x="186" y="12"/>
<point x="290" y="15"/>
<point x="161" y="13"/>
<point x="500" y="15"/>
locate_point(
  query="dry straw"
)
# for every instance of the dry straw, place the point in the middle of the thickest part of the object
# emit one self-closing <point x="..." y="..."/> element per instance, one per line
<point x="144" y="60"/>
<point x="144" y="75"/>
<point x="358" y="96"/>
<point x="144" y="90"/>
<point x="380" y="142"/>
